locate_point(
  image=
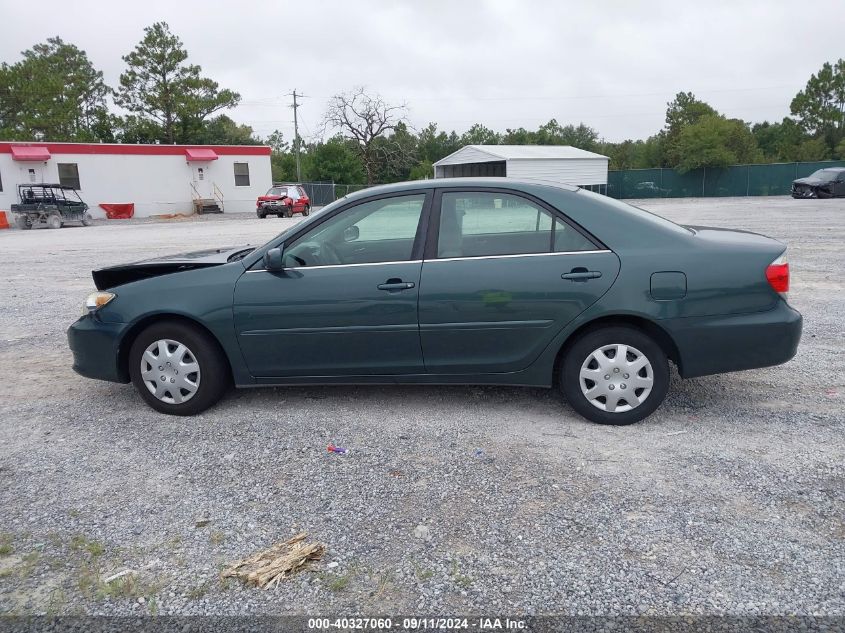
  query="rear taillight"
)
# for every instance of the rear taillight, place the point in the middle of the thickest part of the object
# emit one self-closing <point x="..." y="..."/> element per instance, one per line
<point x="777" y="274"/>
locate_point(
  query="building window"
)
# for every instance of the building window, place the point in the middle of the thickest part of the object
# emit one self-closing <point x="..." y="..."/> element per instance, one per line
<point x="242" y="174"/>
<point x="31" y="173"/>
<point x="69" y="175"/>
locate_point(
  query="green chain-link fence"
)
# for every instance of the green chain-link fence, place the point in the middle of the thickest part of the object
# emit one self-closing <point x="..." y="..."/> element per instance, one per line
<point x="737" y="180"/>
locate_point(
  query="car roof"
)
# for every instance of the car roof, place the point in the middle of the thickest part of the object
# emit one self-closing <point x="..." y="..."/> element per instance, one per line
<point x="453" y="183"/>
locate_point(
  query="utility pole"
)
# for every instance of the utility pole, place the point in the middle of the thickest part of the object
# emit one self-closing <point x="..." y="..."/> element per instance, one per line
<point x="296" y="135"/>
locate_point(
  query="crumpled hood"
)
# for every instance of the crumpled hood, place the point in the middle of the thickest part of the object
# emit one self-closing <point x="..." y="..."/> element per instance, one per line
<point x="809" y="181"/>
<point x="113" y="276"/>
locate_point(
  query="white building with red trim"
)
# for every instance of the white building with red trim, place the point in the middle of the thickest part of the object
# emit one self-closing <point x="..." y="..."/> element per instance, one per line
<point x="157" y="179"/>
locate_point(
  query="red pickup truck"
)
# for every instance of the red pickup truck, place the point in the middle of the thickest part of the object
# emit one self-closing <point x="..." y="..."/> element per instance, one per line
<point x="283" y="200"/>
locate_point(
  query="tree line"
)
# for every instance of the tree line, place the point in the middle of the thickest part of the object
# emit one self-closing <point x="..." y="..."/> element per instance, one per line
<point x="54" y="93"/>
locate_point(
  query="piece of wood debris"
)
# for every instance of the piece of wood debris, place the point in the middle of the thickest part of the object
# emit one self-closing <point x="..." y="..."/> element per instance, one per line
<point x="266" y="569"/>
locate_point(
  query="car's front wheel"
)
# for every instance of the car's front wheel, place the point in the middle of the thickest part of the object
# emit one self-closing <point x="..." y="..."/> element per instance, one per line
<point x="615" y="375"/>
<point x="306" y="210"/>
<point x="178" y="369"/>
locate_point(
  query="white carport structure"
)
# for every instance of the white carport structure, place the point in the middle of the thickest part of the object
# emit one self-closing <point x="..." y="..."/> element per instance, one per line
<point x="556" y="163"/>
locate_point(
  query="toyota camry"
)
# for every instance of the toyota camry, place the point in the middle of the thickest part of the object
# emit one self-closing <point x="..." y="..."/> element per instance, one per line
<point x="453" y="281"/>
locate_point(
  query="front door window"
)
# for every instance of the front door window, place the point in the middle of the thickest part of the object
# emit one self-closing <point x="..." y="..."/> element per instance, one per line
<point x="377" y="231"/>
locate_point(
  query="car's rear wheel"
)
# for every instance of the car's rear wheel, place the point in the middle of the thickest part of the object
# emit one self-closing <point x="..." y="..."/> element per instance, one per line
<point x="615" y="375"/>
<point x="23" y="222"/>
<point x="178" y="369"/>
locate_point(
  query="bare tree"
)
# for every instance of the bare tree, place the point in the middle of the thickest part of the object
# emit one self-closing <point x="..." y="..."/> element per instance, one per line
<point x="364" y="119"/>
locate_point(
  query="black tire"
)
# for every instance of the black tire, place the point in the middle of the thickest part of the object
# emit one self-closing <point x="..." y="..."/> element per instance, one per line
<point x="288" y="213"/>
<point x="306" y="210"/>
<point x="214" y="372"/>
<point x="23" y="222"/>
<point x="87" y="220"/>
<point x="584" y="347"/>
<point x="261" y="214"/>
<point x="54" y="221"/>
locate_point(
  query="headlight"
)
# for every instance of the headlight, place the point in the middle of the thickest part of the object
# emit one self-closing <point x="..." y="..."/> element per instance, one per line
<point x="97" y="300"/>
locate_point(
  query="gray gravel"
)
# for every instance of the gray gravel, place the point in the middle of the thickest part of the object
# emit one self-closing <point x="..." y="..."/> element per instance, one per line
<point x="728" y="500"/>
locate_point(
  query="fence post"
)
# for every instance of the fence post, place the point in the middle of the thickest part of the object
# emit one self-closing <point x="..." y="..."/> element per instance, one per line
<point x="703" y="179"/>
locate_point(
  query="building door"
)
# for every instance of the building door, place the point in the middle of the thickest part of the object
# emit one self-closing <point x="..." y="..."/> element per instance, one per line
<point x="202" y="183"/>
<point x="32" y="173"/>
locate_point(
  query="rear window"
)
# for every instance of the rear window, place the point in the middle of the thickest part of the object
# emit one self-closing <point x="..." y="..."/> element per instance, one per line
<point x="624" y="207"/>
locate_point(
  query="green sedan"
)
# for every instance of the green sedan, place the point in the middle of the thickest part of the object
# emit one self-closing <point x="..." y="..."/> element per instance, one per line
<point x="455" y="281"/>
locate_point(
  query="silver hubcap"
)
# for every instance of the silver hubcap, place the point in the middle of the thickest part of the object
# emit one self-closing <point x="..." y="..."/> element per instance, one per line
<point x="616" y="378"/>
<point x="170" y="371"/>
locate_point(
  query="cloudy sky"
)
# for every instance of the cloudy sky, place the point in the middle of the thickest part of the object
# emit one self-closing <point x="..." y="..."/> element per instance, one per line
<point x="611" y="64"/>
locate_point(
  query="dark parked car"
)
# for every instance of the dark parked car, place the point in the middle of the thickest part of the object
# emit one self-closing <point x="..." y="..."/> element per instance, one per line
<point x="824" y="183"/>
<point x="484" y="281"/>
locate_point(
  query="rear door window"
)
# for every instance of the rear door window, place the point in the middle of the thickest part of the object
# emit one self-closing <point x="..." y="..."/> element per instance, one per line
<point x="480" y="224"/>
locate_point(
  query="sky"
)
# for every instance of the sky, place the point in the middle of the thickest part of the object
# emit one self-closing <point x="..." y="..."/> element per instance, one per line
<point x="612" y="65"/>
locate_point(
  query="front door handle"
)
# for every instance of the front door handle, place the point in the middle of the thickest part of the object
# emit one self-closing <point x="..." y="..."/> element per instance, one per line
<point x="394" y="285"/>
<point x="581" y="274"/>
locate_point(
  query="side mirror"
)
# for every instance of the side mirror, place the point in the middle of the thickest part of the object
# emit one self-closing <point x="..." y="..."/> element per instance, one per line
<point x="273" y="259"/>
<point x="351" y="233"/>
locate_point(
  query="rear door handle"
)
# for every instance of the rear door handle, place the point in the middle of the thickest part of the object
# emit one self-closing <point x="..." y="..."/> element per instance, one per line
<point x="393" y="285"/>
<point x="581" y="275"/>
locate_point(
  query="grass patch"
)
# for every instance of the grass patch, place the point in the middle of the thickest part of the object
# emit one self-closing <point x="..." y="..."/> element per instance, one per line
<point x="6" y="544"/>
<point x="458" y="578"/>
<point x="336" y="582"/>
<point x="80" y="543"/>
<point x="422" y="574"/>
<point x="198" y="592"/>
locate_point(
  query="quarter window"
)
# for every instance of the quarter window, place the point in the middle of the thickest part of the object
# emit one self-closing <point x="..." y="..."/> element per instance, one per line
<point x="69" y="175"/>
<point x="568" y="239"/>
<point x="377" y="231"/>
<point x="242" y="174"/>
<point x="482" y="224"/>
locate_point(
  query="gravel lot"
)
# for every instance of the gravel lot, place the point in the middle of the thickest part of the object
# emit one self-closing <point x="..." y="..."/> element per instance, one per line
<point x="729" y="500"/>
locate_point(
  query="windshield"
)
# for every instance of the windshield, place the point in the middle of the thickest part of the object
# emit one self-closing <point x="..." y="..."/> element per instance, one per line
<point x="825" y="174"/>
